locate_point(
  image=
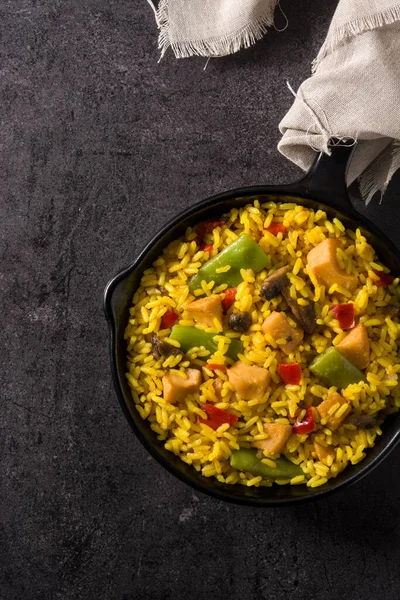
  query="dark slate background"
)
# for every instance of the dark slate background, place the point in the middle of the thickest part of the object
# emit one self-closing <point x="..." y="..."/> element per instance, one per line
<point x="99" y="146"/>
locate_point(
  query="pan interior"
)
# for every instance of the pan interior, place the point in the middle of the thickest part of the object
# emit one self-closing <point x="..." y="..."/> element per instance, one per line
<point x="118" y="297"/>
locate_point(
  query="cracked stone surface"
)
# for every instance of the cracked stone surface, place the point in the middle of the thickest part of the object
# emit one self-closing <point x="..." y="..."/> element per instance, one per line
<point x="100" y="145"/>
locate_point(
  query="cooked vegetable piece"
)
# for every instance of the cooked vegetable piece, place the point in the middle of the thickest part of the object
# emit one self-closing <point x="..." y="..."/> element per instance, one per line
<point x="355" y="346"/>
<point x="206" y="310"/>
<point x="345" y="315"/>
<point x="323" y="452"/>
<point x="304" y="315"/>
<point x="249" y="381"/>
<point x="278" y="283"/>
<point x="217" y="417"/>
<point x="382" y="279"/>
<point x="189" y="337"/>
<point x="393" y="310"/>
<point x="277" y="325"/>
<point x="307" y="425"/>
<point x="322" y="261"/>
<point x="272" y="286"/>
<point x="276" y="228"/>
<point x="290" y="373"/>
<point x="331" y="420"/>
<point x="246" y="460"/>
<point x="334" y="369"/>
<point x="278" y="435"/>
<point x="361" y="421"/>
<point x="239" y="321"/>
<point x="207" y="227"/>
<point x="160" y="348"/>
<point x="216" y="367"/>
<point x="206" y="247"/>
<point x="176" y="388"/>
<point x="168" y="319"/>
<point x="228" y="299"/>
<point x="243" y="253"/>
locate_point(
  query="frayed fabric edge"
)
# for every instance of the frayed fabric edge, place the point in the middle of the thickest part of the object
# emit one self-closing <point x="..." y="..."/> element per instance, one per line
<point x="356" y="27"/>
<point x="377" y="175"/>
<point x="213" y="47"/>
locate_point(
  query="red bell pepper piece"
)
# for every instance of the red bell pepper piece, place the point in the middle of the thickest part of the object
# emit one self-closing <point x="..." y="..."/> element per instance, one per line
<point x="384" y="279"/>
<point x="216" y="367"/>
<point x="344" y="314"/>
<point x="217" y="417"/>
<point x="307" y="425"/>
<point x="276" y="228"/>
<point x="168" y="319"/>
<point x="206" y="247"/>
<point x="290" y="373"/>
<point x="229" y="299"/>
<point x="207" y="227"/>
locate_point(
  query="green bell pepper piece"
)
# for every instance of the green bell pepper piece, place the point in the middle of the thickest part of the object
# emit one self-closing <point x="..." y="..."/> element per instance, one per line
<point x="334" y="369"/>
<point x="243" y="253"/>
<point x="189" y="337"/>
<point x="246" y="460"/>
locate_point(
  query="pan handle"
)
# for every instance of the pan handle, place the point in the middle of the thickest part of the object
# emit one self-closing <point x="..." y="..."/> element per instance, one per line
<point x="327" y="176"/>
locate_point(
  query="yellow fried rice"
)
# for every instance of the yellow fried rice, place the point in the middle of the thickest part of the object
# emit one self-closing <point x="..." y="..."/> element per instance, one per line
<point x="164" y="287"/>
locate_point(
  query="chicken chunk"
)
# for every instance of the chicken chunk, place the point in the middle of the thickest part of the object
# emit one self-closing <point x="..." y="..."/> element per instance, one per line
<point x="323" y="452"/>
<point x="176" y="387"/>
<point x="355" y="346"/>
<point x="278" y="435"/>
<point x="218" y="383"/>
<point x="332" y="421"/>
<point x="250" y="382"/>
<point x="206" y="310"/>
<point x="277" y="325"/>
<point x="322" y="261"/>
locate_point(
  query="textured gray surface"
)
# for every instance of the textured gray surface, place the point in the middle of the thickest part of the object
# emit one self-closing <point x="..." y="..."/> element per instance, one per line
<point x="99" y="145"/>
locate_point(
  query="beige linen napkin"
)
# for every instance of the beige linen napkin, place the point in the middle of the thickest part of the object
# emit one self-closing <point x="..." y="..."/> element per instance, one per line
<point x="353" y="93"/>
<point x="211" y="27"/>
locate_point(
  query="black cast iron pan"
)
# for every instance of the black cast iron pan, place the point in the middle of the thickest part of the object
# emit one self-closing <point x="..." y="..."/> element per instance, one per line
<point x="322" y="187"/>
